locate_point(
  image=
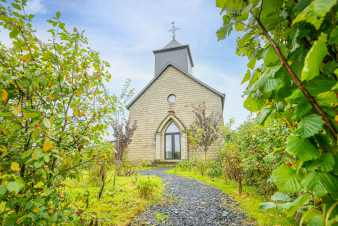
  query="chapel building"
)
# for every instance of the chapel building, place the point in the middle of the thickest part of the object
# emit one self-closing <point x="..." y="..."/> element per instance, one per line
<point x="163" y="109"/>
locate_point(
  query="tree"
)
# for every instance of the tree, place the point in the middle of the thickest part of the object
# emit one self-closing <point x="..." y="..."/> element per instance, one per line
<point x="292" y="72"/>
<point x="260" y="149"/>
<point x="205" y="130"/>
<point x="123" y="129"/>
<point x="233" y="165"/>
<point x="52" y="108"/>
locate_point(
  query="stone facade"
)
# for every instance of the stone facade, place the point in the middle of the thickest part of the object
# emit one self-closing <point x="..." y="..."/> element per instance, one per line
<point x="153" y="113"/>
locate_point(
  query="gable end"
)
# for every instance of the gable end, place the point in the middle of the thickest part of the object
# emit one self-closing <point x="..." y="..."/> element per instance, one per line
<point x="221" y="95"/>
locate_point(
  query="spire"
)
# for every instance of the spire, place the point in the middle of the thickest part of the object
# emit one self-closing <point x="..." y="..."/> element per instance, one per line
<point x="173" y="53"/>
<point x="173" y="43"/>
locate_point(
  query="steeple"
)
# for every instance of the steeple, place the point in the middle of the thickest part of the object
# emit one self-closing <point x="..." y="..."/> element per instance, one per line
<point x="173" y="53"/>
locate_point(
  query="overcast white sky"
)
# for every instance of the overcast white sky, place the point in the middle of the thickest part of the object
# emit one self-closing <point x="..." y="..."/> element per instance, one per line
<point x="125" y="33"/>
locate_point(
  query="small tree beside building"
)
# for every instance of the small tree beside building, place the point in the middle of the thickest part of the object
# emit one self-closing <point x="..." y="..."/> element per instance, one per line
<point x="205" y="130"/>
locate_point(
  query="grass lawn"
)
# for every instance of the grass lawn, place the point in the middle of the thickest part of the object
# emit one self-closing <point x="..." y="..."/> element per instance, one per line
<point x="119" y="204"/>
<point x="249" y="201"/>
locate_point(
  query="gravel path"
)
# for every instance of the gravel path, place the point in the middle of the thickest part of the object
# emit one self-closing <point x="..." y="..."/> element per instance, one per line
<point x="189" y="202"/>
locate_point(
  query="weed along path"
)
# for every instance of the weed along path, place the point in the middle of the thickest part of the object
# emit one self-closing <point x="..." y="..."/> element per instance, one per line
<point x="189" y="202"/>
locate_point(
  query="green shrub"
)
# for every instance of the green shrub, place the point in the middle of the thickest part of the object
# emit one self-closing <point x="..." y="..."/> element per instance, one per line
<point x="146" y="186"/>
<point x="214" y="169"/>
<point x="202" y="167"/>
<point x="186" y="165"/>
<point x="259" y="148"/>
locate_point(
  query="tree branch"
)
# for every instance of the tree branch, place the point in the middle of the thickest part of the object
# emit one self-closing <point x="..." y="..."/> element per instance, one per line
<point x="331" y="128"/>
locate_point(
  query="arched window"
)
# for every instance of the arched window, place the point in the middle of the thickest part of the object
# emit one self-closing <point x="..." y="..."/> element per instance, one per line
<point x="172" y="144"/>
<point x="172" y="128"/>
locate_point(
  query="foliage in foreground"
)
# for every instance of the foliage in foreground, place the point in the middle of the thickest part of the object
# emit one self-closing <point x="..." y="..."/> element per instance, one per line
<point x="52" y="111"/>
<point x="125" y="197"/>
<point x="292" y="72"/>
<point x="253" y="151"/>
<point x="249" y="200"/>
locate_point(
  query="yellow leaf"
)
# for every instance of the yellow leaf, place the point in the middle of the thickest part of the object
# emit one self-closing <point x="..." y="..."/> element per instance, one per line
<point x="25" y="58"/>
<point x="336" y="118"/>
<point x="36" y="210"/>
<point x="47" y="145"/>
<point x="39" y="185"/>
<point x="4" y="96"/>
<point x="3" y="149"/>
<point x="15" y="167"/>
<point x="78" y="93"/>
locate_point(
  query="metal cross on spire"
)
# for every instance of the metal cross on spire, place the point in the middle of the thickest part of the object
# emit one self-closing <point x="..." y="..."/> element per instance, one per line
<point x="173" y="29"/>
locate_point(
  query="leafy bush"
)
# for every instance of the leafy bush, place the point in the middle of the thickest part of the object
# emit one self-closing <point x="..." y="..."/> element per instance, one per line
<point x="261" y="150"/>
<point x="52" y="108"/>
<point x="214" y="169"/>
<point x="185" y="165"/>
<point x="118" y="205"/>
<point x="146" y="186"/>
<point x="233" y="165"/>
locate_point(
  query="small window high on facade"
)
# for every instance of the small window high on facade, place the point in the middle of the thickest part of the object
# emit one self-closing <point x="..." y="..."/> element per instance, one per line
<point x="171" y="99"/>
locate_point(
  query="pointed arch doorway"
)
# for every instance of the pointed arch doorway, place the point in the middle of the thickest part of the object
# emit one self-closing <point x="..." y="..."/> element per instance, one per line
<point x="172" y="142"/>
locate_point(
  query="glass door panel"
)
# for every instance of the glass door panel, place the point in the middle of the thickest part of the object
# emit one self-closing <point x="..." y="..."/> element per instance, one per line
<point x="177" y="146"/>
<point x="168" y="147"/>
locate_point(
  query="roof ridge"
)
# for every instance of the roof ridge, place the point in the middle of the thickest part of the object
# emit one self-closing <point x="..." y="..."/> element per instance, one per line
<point x="222" y="95"/>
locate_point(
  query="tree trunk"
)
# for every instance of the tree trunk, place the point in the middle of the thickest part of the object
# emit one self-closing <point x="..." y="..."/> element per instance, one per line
<point x="103" y="180"/>
<point x="240" y="186"/>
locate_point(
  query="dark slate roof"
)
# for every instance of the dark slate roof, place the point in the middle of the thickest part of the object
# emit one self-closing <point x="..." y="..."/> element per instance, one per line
<point x="222" y="95"/>
<point x="173" y="43"/>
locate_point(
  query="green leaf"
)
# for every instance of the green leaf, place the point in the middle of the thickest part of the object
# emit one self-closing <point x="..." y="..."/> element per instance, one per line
<point x="333" y="38"/>
<point x="310" y="125"/>
<point x="267" y="205"/>
<point x="317" y="86"/>
<point x="280" y="196"/>
<point x="303" y="108"/>
<point x="301" y="148"/>
<point x="252" y="63"/>
<point x="220" y="3"/>
<point x="270" y="14"/>
<point x="315" y="12"/>
<point x="314" y="58"/>
<point x="230" y="4"/>
<point x="263" y="115"/>
<point x="239" y="26"/>
<point x="57" y="14"/>
<point x="246" y="77"/>
<point x="320" y="183"/>
<point x="226" y="29"/>
<point x="327" y="162"/>
<point x="13" y="33"/>
<point x="15" y="186"/>
<point x="312" y="217"/>
<point x="293" y="206"/>
<point x="270" y="57"/>
<point x="272" y="84"/>
<point x="328" y="99"/>
<point x="3" y="190"/>
<point x="286" y="179"/>
<point x="253" y="104"/>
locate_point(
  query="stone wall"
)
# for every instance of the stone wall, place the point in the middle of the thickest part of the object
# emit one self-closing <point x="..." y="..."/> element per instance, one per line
<point x="152" y="108"/>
